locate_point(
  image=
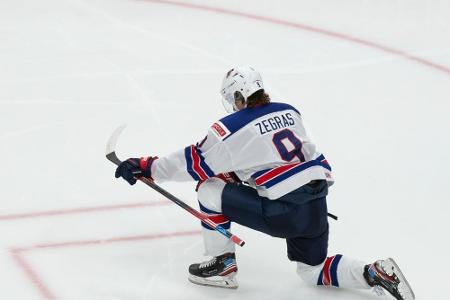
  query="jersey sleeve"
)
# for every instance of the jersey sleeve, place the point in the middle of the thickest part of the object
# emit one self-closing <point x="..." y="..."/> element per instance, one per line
<point x="197" y="162"/>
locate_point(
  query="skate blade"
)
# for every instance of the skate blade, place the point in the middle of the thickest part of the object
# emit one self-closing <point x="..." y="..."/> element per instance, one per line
<point x="391" y="268"/>
<point x="228" y="282"/>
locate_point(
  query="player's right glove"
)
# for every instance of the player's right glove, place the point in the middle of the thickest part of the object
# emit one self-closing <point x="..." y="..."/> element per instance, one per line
<point x="134" y="168"/>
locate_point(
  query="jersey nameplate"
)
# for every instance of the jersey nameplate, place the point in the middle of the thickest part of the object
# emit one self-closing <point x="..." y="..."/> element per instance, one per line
<point x="275" y="123"/>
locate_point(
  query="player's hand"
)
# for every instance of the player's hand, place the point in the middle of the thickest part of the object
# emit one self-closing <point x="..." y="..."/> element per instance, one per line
<point x="134" y="168"/>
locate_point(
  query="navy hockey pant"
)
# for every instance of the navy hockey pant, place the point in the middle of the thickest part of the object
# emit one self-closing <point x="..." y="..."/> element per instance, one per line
<point x="299" y="216"/>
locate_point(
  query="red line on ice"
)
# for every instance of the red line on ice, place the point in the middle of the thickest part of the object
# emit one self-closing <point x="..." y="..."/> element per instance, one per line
<point x="81" y="243"/>
<point x="81" y="210"/>
<point x="38" y="283"/>
<point x="32" y="275"/>
<point x="312" y="29"/>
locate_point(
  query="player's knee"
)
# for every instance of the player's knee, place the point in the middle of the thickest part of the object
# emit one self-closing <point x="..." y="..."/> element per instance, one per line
<point x="210" y="194"/>
<point x="309" y="274"/>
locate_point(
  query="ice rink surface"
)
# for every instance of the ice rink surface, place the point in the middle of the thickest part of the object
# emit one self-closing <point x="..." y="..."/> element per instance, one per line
<point x="371" y="78"/>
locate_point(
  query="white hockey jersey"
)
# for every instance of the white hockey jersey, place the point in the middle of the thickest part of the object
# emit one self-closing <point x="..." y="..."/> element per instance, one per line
<point x="266" y="146"/>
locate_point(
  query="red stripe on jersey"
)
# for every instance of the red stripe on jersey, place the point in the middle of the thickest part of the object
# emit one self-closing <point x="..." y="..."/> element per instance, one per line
<point x="326" y="280"/>
<point x="196" y="164"/>
<point x="274" y="173"/>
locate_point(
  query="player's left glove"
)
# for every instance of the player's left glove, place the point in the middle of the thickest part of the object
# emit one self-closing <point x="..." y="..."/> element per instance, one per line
<point x="133" y="168"/>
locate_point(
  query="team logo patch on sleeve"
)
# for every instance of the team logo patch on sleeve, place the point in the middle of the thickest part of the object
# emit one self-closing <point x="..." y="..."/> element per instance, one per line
<point x="220" y="130"/>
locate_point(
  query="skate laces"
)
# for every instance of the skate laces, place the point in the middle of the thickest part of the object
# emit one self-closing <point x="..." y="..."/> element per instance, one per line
<point x="208" y="263"/>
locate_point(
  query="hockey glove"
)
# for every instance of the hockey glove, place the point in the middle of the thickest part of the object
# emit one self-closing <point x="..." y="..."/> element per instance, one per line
<point x="134" y="168"/>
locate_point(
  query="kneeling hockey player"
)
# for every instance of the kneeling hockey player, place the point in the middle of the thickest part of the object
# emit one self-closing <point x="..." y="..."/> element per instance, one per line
<point x="265" y="145"/>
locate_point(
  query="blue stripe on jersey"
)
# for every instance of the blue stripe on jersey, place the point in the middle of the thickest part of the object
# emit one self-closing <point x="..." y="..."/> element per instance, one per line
<point x="203" y="164"/>
<point x="239" y="119"/>
<point x="259" y="173"/>
<point x="187" y="155"/>
<point x="293" y="171"/>
<point x="333" y="270"/>
<point x="320" y="158"/>
<point x="324" y="164"/>
<point x="192" y="170"/>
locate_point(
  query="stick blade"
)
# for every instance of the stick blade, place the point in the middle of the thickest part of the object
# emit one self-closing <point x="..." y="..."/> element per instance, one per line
<point x="111" y="145"/>
<point x="113" y="158"/>
<point x="112" y="142"/>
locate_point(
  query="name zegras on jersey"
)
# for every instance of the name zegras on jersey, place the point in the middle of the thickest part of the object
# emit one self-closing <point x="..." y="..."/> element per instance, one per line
<point x="275" y="123"/>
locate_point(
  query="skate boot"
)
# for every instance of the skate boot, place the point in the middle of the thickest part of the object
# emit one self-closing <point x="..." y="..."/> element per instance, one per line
<point x="220" y="271"/>
<point x="387" y="275"/>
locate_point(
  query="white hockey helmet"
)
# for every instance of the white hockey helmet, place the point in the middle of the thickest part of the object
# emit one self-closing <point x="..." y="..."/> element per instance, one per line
<point x="243" y="80"/>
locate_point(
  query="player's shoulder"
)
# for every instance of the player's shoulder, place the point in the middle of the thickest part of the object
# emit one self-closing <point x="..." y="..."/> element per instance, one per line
<point x="230" y="124"/>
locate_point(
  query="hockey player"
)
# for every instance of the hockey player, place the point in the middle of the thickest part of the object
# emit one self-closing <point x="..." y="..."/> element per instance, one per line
<point x="259" y="167"/>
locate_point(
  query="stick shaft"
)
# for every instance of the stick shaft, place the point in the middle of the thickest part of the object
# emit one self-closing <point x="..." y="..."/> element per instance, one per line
<point x="203" y="217"/>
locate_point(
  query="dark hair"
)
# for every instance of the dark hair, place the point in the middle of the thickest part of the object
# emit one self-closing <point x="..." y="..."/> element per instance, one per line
<point x="258" y="98"/>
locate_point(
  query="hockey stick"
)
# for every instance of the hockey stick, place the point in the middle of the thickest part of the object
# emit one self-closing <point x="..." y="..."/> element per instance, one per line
<point x="111" y="156"/>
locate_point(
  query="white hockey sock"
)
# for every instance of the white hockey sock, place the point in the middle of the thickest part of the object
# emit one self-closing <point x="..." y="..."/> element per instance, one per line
<point x="338" y="271"/>
<point x="210" y="200"/>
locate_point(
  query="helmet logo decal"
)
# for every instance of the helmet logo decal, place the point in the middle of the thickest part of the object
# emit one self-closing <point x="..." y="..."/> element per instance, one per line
<point x="229" y="72"/>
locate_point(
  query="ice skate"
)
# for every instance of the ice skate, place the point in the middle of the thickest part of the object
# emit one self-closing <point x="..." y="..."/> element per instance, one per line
<point x="387" y="274"/>
<point x="220" y="271"/>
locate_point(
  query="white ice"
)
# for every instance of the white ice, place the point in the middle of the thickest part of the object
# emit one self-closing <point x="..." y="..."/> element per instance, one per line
<point x="71" y="71"/>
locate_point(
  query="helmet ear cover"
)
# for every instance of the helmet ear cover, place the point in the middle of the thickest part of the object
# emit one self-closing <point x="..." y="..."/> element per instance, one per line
<point x="239" y="97"/>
